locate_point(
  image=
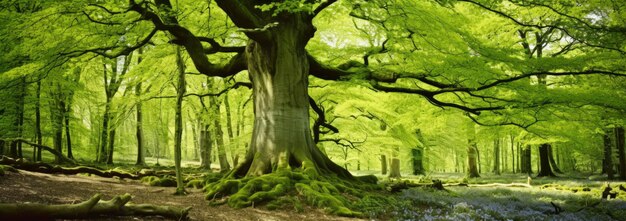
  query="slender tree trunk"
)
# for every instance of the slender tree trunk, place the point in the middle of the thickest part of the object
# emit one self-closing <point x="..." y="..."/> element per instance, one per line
<point x="38" y="134"/>
<point x="512" y="153"/>
<point x="20" y="116"/>
<point x="111" y="147"/>
<point x="196" y="138"/>
<point x="544" y="161"/>
<point x="141" y="152"/>
<point x="229" y="129"/>
<point x="68" y="138"/>
<point x="178" y="125"/>
<point x="519" y="157"/>
<point x="496" y="156"/>
<point x="103" y="156"/>
<point x="552" y="161"/>
<point x="56" y="115"/>
<point x="619" y="141"/>
<point x="526" y="160"/>
<point x="141" y="159"/>
<point x="383" y="164"/>
<point x="608" y="156"/>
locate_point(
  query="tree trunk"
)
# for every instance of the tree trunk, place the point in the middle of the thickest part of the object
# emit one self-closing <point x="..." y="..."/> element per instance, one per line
<point x="417" y="159"/>
<point x="196" y="140"/>
<point x="20" y="115"/>
<point x="111" y="147"/>
<point x="56" y="115"/>
<point x="544" y="161"/>
<point x="512" y="153"/>
<point x="472" y="152"/>
<point x="383" y="164"/>
<point x="279" y="73"/>
<point x="219" y="136"/>
<point x="619" y="143"/>
<point x="103" y="156"/>
<point x="205" y="147"/>
<point x="519" y="157"/>
<point x="608" y="155"/>
<point x="178" y="125"/>
<point x="496" y="156"/>
<point x="38" y="135"/>
<point x="526" y="166"/>
<point x="394" y="171"/>
<point x="552" y="161"/>
<point x="68" y="138"/>
<point x="229" y="129"/>
<point x="141" y="158"/>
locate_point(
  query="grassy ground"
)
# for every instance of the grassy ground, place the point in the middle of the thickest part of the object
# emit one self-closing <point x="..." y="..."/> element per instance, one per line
<point x="566" y="192"/>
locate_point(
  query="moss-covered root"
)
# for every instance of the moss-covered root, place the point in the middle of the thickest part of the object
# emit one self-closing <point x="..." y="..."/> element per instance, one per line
<point x="330" y="193"/>
<point x="6" y="168"/>
<point x="322" y="196"/>
<point x="94" y="207"/>
<point x="165" y="181"/>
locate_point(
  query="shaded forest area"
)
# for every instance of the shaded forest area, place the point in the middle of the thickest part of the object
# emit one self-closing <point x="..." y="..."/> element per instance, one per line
<point x="312" y="110"/>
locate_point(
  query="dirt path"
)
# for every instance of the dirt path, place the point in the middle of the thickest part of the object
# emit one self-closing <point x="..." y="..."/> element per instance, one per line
<point x="54" y="189"/>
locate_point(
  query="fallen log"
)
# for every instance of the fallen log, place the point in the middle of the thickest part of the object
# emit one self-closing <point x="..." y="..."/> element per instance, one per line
<point x="499" y="185"/>
<point x="91" y="208"/>
<point x="41" y="167"/>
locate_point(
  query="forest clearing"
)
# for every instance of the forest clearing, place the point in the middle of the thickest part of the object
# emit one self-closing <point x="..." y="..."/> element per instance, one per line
<point x="312" y="110"/>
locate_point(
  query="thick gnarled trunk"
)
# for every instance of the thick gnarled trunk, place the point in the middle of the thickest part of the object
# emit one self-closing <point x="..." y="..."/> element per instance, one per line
<point x="281" y="134"/>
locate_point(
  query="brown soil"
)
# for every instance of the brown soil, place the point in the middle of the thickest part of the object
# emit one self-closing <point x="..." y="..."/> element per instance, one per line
<point x="32" y="187"/>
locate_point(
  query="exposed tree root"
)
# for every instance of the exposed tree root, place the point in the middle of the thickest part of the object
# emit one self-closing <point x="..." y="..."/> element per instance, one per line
<point x="92" y="208"/>
<point x="337" y="196"/>
<point x="4" y="169"/>
<point x="58" y="154"/>
<point x="55" y="169"/>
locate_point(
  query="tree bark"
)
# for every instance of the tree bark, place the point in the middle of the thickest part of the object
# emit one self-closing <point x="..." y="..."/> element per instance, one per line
<point x="141" y="159"/>
<point x="38" y="134"/>
<point x="472" y="152"/>
<point x="619" y="141"/>
<point x="608" y="155"/>
<point x="552" y="161"/>
<point x="111" y="147"/>
<point x="229" y="129"/>
<point x="383" y="164"/>
<point x="206" y="145"/>
<point x="68" y="138"/>
<point x="513" y="168"/>
<point x="20" y="115"/>
<point x="417" y="159"/>
<point x="526" y="166"/>
<point x="496" y="156"/>
<point x="56" y="113"/>
<point x="544" y="155"/>
<point x="102" y="156"/>
<point x="394" y="171"/>
<point x="218" y="134"/>
<point x="178" y="125"/>
<point x="279" y="73"/>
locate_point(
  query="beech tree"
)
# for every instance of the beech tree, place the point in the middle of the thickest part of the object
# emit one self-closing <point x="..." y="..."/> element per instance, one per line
<point x="462" y="55"/>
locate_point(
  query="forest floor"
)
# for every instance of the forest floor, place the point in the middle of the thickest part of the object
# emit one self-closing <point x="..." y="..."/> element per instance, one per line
<point x="455" y="203"/>
<point x="32" y="187"/>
